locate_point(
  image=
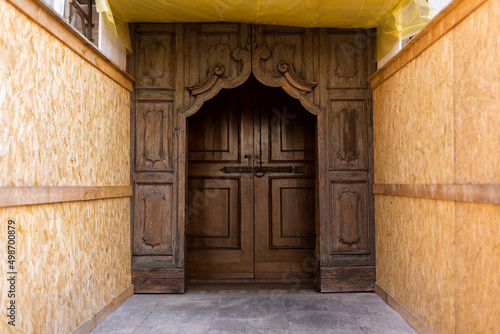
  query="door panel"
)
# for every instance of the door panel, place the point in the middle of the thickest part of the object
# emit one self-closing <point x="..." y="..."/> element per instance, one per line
<point x="216" y="201"/>
<point x="220" y="211"/>
<point x="226" y="209"/>
<point x="285" y="202"/>
<point x="292" y="213"/>
<point x="217" y="131"/>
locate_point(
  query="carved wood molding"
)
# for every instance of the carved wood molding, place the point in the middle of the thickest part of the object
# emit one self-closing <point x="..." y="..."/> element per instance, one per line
<point x="213" y="75"/>
<point x="249" y="57"/>
<point x="214" y="82"/>
<point x="288" y="80"/>
<point x="473" y="193"/>
<point x="16" y="196"/>
<point x="292" y="78"/>
<point x="353" y="195"/>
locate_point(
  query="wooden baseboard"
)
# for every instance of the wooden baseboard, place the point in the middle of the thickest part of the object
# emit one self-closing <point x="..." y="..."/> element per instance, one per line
<point x="410" y="317"/>
<point x="104" y="312"/>
<point x="345" y="279"/>
<point x="158" y="280"/>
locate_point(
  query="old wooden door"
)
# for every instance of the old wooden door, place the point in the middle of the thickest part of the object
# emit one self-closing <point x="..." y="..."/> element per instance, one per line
<point x="265" y="232"/>
<point x="251" y="186"/>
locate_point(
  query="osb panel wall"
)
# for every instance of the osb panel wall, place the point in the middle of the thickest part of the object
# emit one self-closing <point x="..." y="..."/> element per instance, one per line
<point x="436" y="121"/>
<point x="478" y="267"/>
<point x="413" y="127"/>
<point x="477" y="96"/>
<point x="72" y="259"/>
<point x="415" y="256"/>
<point x="63" y="121"/>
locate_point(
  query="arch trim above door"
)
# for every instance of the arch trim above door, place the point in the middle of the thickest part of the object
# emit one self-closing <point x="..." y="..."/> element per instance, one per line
<point x="249" y="58"/>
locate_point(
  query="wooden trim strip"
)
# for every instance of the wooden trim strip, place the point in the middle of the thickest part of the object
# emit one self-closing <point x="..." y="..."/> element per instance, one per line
<point x="409" y="316"/>
<point x="16" y="196"/>
<point x="446" y="20"/>
<point x="474" y="193"/>
<point x="104" y="312"/>
<point x="56" y="26"/>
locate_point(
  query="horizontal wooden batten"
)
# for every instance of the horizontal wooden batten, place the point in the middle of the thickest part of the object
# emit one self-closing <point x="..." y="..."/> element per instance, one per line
<point x="56" y="26"/>
<point x="16" y="196"/>
<point x="411" y="318"/>
<point x="473" y="193"/>
<point x="448" y="18"/>
<point x="103" y="313"/>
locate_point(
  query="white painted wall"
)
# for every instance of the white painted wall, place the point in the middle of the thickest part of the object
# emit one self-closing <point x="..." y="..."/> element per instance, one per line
<point x="110" y="45"/>
<point x="57" y="5"/>
<point x="437" y="6"/>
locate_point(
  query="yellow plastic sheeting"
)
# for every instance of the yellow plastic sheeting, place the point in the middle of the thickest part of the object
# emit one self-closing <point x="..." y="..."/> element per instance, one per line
<point x="396" y="18"/>
<point x="119" y="27"/>
<point x="404" y="21"/>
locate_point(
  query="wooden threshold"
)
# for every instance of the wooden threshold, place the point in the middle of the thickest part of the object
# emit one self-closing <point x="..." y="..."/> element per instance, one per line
<point x="104" y="312"/>
<point x="44" y="16"/>
<point x="473" y="193"/>
<point x="409" y="316"/>
<point x="250" y="284"/>
<point x="16" y="196"/>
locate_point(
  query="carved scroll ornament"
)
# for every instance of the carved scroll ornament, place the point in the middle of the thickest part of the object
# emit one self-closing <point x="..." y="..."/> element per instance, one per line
<point x="213" y="75"/>
<point x="293" y="79"/>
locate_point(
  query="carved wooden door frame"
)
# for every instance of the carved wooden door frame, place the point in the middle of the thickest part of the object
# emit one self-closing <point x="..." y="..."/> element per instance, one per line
<point x="326" y="70"/>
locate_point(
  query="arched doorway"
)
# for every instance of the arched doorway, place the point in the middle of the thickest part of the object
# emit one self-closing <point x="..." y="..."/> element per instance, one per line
<point x="251" y="187"/>
<point x="181" y="67"/>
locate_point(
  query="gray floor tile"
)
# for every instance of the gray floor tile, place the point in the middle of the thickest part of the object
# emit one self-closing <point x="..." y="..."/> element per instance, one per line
<point x="194" y="317"/>
<point x="254" y="312"/>
<point x="243" y="313"/>
<point x="186" y="304"/>
<point x="379" y="318"/>
<point x="313" y="303"/>
<point x="122" y="321"/>
<point x="248" y="331"/>
<point x="323" y="322"/>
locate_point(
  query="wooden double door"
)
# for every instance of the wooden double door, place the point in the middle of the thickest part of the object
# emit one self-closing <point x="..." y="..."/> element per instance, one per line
<point x="233" y="178"/>
<point x="251" y="186"/>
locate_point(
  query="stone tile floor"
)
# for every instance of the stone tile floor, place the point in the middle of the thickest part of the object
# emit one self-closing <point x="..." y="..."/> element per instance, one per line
<point x="259" y="312"/>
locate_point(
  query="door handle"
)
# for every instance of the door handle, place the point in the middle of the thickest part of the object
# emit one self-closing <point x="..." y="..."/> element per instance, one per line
<point x="261" y="171"/>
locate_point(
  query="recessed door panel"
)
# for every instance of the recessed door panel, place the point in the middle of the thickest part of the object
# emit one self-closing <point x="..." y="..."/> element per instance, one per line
<point x="266" y="189"/>
<point x="214" y="209"/>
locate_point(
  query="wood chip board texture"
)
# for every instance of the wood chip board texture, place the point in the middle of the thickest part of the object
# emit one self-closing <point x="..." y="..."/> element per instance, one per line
<point x="415" y="256"/>
<point x="437" y="121"/>
<point x="72" y="259"/>
<point x="63" y="122"/>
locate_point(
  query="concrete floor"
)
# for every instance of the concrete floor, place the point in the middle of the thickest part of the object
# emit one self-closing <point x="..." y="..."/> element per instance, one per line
<point x="264" y="311"/>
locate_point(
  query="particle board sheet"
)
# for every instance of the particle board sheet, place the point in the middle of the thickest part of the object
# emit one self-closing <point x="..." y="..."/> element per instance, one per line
<point x="477" y="94"/>
<point x="64" y="122"/>
<point x="71" y="258"/>
<point x="477" y="267"/>
<point x="413" y="120"/>
<point x="415" y="256"/>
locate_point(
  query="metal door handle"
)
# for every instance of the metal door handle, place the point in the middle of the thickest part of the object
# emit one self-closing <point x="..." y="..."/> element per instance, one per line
<point x="261" y="171"/>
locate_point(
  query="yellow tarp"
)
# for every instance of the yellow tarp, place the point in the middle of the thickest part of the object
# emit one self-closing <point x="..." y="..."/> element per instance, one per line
<point x="396" y="19"/>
